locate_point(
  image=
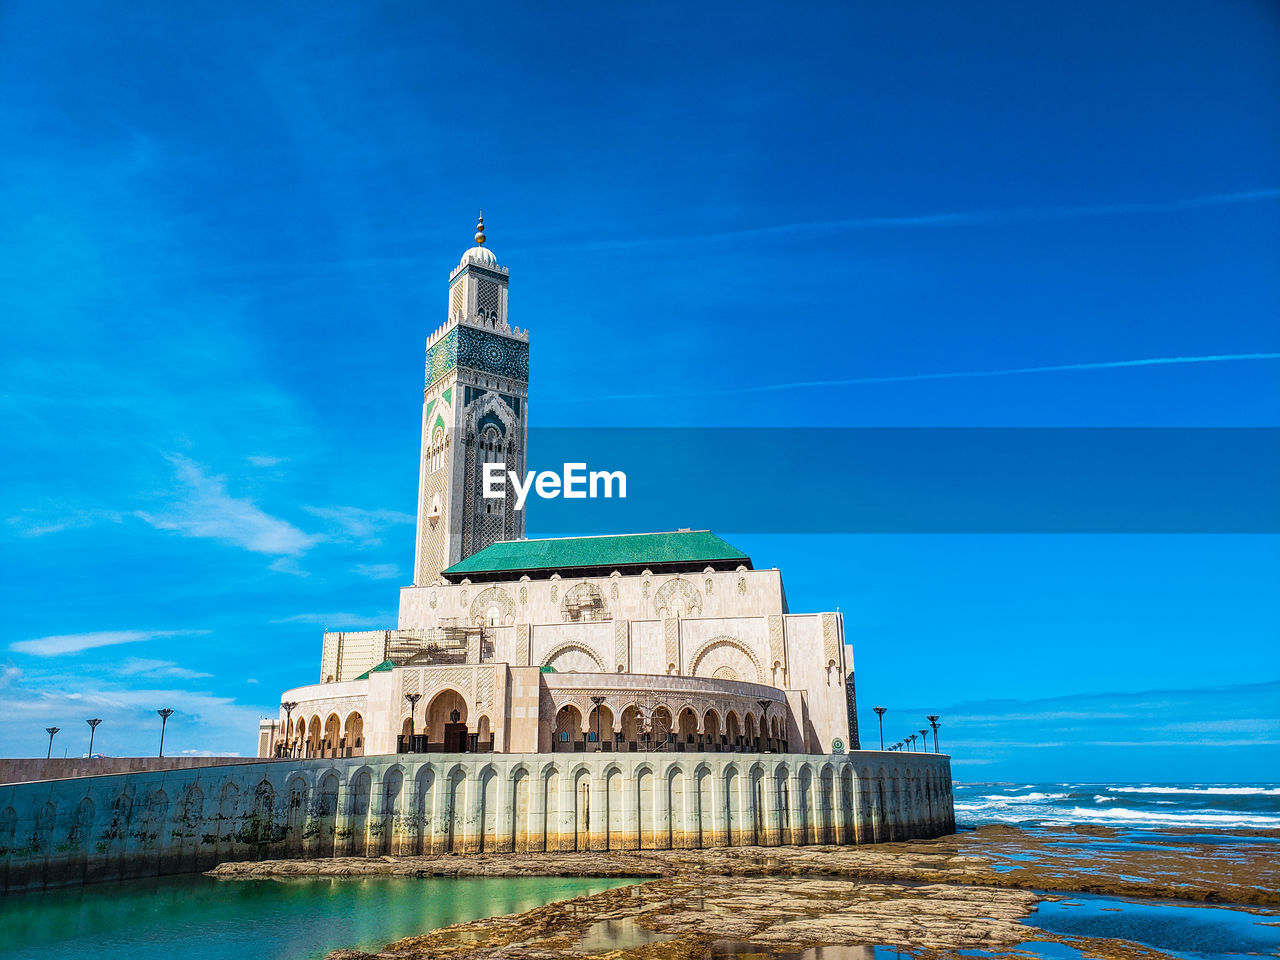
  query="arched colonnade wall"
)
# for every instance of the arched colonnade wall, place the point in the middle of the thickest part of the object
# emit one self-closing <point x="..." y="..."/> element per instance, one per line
<point x="88" y="829"/>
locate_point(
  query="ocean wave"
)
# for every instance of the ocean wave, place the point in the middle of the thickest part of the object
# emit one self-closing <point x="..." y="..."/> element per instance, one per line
<point x="1004" y="799"/>
<point x="1113" y="816"/>
<point x="1204" y="791"/>
<point x="1191" y="818"/>
<point x="1105" y="799"/>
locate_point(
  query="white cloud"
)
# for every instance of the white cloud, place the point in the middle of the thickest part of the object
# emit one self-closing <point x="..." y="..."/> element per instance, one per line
<point x="343" y="621"/>
<point x="158" y="669"/>
<point x="208" y="511"/>
<point x="259" y="461"/>
<point x="360" y="524"/>
<point x="378" y="571"/>
<point x="288" y="565"/>
<point x="33" y="522"/>
<point x="76" y="642"/>
<point x="204" y="723"/>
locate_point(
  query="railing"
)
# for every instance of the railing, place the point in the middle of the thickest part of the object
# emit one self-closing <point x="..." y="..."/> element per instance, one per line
<point x="419" y="743"/>
<point x="671" y="745"/>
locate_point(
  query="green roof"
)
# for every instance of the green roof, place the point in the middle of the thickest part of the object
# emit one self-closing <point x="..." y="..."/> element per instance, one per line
<point x="625" y="550"/>
<point x="383" y="667"/>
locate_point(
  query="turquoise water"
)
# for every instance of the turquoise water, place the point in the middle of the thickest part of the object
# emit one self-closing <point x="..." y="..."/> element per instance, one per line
<point x="178" y="917"/>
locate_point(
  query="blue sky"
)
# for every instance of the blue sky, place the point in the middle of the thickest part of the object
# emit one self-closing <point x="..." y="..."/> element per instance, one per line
<point x="226" y="231"/>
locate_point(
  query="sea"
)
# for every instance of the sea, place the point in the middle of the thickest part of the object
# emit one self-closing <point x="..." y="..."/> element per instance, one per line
<point x="1205" y="808"/>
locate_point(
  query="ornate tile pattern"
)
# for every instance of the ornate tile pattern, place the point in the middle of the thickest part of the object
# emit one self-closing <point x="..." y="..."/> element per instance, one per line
<point x="465" y="346"/>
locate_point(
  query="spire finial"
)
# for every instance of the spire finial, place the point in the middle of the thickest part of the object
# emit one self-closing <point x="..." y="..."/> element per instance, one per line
<point x="480" y="228"/>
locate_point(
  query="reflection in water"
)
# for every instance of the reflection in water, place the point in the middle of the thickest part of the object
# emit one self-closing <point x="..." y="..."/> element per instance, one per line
<point x="176" y="918"/>
<point x="623" y="934"/>
<point x="743" y="950"/>
<point x="1210" y="933"/>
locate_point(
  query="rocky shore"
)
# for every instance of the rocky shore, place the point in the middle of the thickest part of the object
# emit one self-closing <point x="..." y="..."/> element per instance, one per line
<point x="933" y="897"/>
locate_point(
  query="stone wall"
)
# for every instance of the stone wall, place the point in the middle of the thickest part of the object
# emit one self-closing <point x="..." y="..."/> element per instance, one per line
<point x="177" y="821"/>
<point x="60" y="768"/>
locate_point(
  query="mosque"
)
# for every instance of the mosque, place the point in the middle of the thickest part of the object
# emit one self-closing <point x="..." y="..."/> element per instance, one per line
<point x="632" y="692"/>
<point x="639" y="642"/>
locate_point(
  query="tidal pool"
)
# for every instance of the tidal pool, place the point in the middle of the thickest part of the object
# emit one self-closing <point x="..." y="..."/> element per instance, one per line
<point x="173" y="918"/>
<point x="1182" y="929"/>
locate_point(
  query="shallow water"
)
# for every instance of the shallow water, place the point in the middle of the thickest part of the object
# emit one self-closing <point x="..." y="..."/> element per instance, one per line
<point x="624" y="934"/>
<point x="296" y="919"/>
<point x="744" y="950"/>
<point x="1185" y="930"/>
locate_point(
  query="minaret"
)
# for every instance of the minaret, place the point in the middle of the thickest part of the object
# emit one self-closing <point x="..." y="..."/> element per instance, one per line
<point x="474" y="410"/>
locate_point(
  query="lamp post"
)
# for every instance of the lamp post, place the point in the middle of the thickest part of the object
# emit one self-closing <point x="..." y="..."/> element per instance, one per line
<point x="413" y="699"/>
<point x="913" y="742"/>
<point x="165" y="714"/>
<point x="880" y="716"/>
<point x="764" y="723"/>
<point x="288" y="707"/>
<point x="597" y="701"/>
<point x="51" y="731"/>
<point x="924" y="741"/>
<point x="933" y="722"/>
<point x="93" y="730"/>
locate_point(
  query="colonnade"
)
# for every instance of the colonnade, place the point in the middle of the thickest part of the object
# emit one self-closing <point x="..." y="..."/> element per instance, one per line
<point x="140" y="824"/>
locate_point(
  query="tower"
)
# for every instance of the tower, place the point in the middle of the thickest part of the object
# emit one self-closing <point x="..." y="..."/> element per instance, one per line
<point x="474" y="411"/>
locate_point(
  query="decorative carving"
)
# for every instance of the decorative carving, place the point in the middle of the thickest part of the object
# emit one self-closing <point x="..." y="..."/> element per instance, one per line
<point x="830" y="639"/>
<point x="574" y="658"/>
<point x="724" y="651"/>
<point x="777" y="645"/>
<point x="671" y="633"/>
<point x="677" y="598"/>
<point x="523" y="634"/>
<point x="465" y="346"/>
<point x="489" y="602"/>
<point x="622" y="644"/>
<point x="584" y="602"/>
<point x="742" y="585"/>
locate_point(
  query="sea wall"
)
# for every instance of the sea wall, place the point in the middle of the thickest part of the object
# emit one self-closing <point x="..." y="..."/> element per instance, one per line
<point x="57" y="768"/>
<point x="89" y="829"/>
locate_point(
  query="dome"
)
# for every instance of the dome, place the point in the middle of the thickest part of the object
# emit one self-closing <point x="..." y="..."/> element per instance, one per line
<point x="481" y="255"/>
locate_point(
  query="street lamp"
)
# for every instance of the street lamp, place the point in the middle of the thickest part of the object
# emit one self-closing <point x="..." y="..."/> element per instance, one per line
<point x="597" y="701"/>
<point x="165" y="714"/>
<point x="288" y="707"/>
<point x="93" y="730"/>
<point x="933" y="722"/>
<point x="924" y="741"/>
<point x="912" y="748"/>
<point x="764" y="723"/>
<point x="413" y="699"/>
<point x="51" y="731"/>
<point x="880" y="716"/>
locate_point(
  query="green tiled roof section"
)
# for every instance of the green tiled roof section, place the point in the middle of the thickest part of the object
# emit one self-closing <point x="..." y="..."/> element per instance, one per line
<point x="383" y="667"/>
<point x="686" y="546"/>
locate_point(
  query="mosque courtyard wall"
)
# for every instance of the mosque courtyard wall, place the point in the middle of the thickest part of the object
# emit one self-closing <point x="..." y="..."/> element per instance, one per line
<point x="123" y="826"/>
